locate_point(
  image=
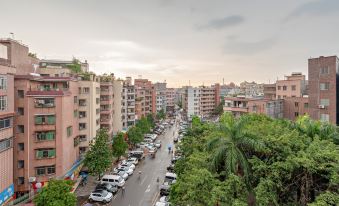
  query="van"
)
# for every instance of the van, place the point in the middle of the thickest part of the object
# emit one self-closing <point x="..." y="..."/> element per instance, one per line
<point x="114" y="180"/>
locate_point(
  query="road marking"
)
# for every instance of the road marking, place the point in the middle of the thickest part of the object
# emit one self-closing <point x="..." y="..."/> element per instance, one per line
<point x="142" y="181"/>
<point x="155" y="198"/>
<point x="148" y="188"/>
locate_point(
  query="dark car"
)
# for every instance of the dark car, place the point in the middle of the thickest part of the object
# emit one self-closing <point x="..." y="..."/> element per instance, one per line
<point x="108" y="187"/>
<point x="165" y="189"/>
<point x="170" y="168"/>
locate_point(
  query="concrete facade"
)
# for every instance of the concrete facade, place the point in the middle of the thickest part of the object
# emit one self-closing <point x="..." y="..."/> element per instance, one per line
<point x="170" y="99"/>
<point x="292" y="86"/>
<point x="270" y="91"/>
<point x="145" y="99"/>
<point x="241" y="105"/>
<point x="106" y="104"/>
<point x="128" y="104"/>
<point x="6" y="128"/>
<point x="89" y="111"/>
<point x="46" y="128"/>
<point x="323" y="86"/>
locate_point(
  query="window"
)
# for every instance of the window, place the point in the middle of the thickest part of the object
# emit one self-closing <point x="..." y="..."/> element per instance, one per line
<point x="296" y="114"/>
<point x="43" y="136"/>
<point x="325" y="102"/>
<point x="75" y="99"/>
<point x="6" y="144"/>
<point x="45" y="153"/>
<point x="21" y="164"/>
<point x="82" y="126"/>
<point x="324" y="70"/>
<point x="97" y="100"/>
<point x="20" y="129"/>
<point x="21" y="93"/>
<point x="82" y="102"/>
<point x="75" y="113"/>
<point x="97" y="90"/>
<point x="294" y="87"/>
<point x="324" y="117"/>
<point x="305" y="105"/>
<point x="21" y="146"/>
<point x="3" y="82"/>
<point x="40" y="171"/>
<point x="82" y="114"/>
<point x="284" y="96"/>
<point x="279" y="97"/>
<point x="284" y="88"/>
<point x="97" y="111"/>
<point x="51" y="170"/>
<point x="44" y="102"/>
<point x="21" y="180"/>
<point x="86" y="90"/>
<point x="5" y="123"/>
<point x="82" y="138"/>
<point x="3" y="103"/>
<point x="296" y="104"/>
<point x="279" y="87"/>
<point x="324" y="86"/>
<point x="21" y="111"/>
<point x="69" y="131"/>
<point x="44" y="119"/>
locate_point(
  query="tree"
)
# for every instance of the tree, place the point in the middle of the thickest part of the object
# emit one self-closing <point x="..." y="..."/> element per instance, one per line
<point x="229" y="145"/>
<point x="56" y="193"/>
<point x="119" y="145"/>
<point x="150" y="119"/>
<point x="143" y="125"/>
<point x="161" y="114"/>
<point x="135" y="135"/>
<point x="99" y="157"/>
<point x="219" y="109"/>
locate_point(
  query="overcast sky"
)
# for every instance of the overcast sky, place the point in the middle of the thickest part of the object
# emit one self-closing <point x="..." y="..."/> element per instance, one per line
<point x="202" y="41"/>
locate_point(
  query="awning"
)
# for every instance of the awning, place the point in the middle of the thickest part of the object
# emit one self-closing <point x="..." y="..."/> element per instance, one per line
<point x="73" y="168"/>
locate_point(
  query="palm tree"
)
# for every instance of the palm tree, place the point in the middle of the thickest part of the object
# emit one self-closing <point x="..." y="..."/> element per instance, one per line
<point x="230" y="144"/>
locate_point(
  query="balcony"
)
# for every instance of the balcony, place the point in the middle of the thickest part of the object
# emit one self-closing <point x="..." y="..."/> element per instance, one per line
<point x="44" y="103"/>
<point x="236" y="109"/>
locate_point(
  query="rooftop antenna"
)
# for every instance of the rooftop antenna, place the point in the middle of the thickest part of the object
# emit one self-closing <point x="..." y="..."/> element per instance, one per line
<point x="12" y="34"/>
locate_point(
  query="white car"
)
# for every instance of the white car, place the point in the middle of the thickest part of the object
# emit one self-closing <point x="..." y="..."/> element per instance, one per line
<point x="133" y="160"/>
<point x="127" y="164"/>
<point x="122" y="174"/>
<point x="101" y="196"/>
<point x="164" y="199"/>
<point x="162" y="204"/>
<point x="126" y="169"/>
<point x="158" y="143"/>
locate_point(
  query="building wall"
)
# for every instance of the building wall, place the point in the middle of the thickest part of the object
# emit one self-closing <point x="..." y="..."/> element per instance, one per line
<point x="106" y="106"/>
<point x="117" y="106"/>
<point x="66" y="151"/>
<point x="316" y="95"/>
<point x="294" y="86"/>
<point x="270" y="91"/>
<point x="295" y="107"/>
<point x="6" y="134"/>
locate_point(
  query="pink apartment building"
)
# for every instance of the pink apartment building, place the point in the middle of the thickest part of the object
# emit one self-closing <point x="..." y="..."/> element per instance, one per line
<point x="145" y="99"/>
<point x="46" y="129"/>
<point x="106" y="104"/>
<point x="6" y="130"/>
<point x="292" y="86"/>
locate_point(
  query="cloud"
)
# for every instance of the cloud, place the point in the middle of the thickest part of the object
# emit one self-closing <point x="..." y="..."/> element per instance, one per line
<point x="319" y="7"/>
<point x="222" y="23"/>
<point x="249" y="48"/>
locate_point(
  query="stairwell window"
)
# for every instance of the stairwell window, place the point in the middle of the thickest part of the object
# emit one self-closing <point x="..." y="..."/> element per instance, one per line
<point x="3" y="82"/>
<point x="324" y="70"/>
<point x="69" y="131"/>
<point x="3" y="103"/>
<point x="45" y="153"/>
<point x="324" y="86"/>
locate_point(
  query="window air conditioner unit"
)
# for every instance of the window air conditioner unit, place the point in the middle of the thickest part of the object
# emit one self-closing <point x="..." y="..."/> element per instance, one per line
<point x="321" y="106"/>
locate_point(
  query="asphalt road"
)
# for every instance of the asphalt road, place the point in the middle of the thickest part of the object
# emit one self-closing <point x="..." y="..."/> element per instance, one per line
<point x="144" y="190"/>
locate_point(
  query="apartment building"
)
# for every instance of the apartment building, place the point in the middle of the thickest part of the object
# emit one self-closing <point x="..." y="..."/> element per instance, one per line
<point x="6" y="126"/>
<point x="251" y="89"/>
<point x="117" y="106"/>
<point x="323" y="86"/>
<point x="106" y="104"/>
<point x="46" y="129"/>
<point x="293" y="85"/>
<point x="89" y="111"/>
<point x="209" y="99"/>
<point x="191" y="102"/>
<point x="170" y="100"/>
<point x="128" y="104"/>
<point x="242" y="105"/>
<point x="161" y="98"/>
<point x="18" y="56"/>
<point x="145" y="98"/>
<point x="270" y="91"/>
<point x="295" y="107"/>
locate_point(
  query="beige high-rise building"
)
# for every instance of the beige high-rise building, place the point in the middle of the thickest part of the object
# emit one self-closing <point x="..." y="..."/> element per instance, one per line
<point x="89" y="111"/>
<point x="117" y="106"/>
<point x="128" y="104"/>
<point x="106" y="104"/>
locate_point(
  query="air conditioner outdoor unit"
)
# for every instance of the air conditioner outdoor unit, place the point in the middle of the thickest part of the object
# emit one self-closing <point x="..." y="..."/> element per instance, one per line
<point x="321" y="106"/>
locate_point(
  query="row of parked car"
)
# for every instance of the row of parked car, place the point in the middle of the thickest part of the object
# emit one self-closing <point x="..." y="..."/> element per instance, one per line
<point x="110" y="184"/>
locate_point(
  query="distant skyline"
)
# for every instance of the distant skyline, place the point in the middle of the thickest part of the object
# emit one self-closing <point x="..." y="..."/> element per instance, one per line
<point x="179" y="40"/>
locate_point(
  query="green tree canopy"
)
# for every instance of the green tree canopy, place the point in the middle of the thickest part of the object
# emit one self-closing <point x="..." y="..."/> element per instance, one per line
<point x="143" y="125"/>
<point x="56" y="193"/>
<point x="99" y="157"/>
<point x="161" y="114"/>
<point x="135" y="135"/>
<point x="119" y="145"/>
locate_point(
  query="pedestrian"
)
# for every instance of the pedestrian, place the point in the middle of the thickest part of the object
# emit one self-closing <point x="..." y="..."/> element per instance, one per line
<point x="123" y="190"/>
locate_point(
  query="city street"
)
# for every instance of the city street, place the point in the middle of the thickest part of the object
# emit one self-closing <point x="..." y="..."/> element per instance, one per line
<point x="144" y="190"/>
